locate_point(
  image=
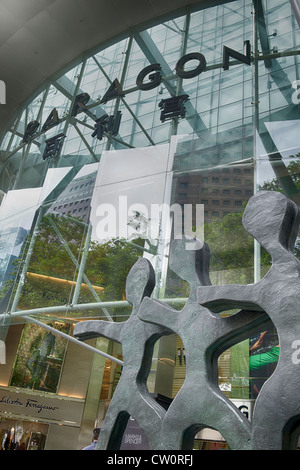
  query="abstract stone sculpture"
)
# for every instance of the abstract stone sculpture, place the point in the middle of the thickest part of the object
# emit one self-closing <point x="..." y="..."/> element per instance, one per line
<point x="200" y="403"/>
<point x="131" y="397"/>
<point x="273" y="220"/>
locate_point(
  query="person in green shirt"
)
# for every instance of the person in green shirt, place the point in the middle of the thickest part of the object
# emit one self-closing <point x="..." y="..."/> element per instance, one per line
<point x="256" y="361"/>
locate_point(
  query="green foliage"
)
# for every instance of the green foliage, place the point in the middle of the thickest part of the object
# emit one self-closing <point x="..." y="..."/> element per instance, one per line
<point x="274" y="185"/>
<point x="294" y="172"/>
<point x="107" y="265"/>
<point x="49" y="256"/>
<point x="232" y="250"/>
<point x="230" y="244"/>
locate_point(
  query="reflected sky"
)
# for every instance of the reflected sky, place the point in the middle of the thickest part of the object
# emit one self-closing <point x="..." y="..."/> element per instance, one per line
<point x="285" y="135"/>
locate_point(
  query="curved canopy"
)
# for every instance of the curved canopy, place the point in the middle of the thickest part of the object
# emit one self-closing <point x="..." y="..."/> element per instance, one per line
<point x="40" y="37"/>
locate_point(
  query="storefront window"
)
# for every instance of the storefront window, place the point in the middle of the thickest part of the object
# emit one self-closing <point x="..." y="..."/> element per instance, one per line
<point x="39" y="358"/>
<point x="22" y="435"/>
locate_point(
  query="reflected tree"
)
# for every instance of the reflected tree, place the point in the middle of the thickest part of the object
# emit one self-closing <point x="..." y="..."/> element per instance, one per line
<point x="54" y="262"/>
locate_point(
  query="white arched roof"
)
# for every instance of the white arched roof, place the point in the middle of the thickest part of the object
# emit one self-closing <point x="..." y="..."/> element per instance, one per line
<point x="40" y="37"/>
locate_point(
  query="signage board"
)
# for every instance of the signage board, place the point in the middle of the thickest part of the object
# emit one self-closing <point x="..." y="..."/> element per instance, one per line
<point x="63" y="410"/>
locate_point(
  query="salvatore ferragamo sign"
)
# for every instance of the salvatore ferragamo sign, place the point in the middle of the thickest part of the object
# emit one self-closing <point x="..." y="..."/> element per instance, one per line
<point x="27" y="403"/>
<point x="42" y="407"/>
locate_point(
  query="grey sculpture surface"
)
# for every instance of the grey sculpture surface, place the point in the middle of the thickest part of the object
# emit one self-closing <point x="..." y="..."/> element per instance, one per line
<point x="273" y="220"/>
<point x="131" y="397"/>
<point x="200" y="403"/>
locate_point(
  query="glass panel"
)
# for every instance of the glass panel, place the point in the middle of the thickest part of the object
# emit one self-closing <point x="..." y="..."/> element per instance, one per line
<point x="39" y="358"/>
<point x="60" y="235"/>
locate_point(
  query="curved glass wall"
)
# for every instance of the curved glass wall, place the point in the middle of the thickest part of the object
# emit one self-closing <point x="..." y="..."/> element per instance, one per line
<point x="89" y="162"/>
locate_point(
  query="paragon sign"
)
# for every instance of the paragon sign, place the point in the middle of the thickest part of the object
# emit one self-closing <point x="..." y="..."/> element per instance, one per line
<point x="149" y="78"/>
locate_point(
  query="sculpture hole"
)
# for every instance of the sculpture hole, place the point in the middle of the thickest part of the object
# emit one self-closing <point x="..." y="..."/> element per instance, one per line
<point x="245" y="367"/>
<point x="209" y="439"/>
<point x="291" y="434"/>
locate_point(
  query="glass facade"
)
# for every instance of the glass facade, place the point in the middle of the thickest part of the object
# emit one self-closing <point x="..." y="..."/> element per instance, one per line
<point x="88" y="163"/>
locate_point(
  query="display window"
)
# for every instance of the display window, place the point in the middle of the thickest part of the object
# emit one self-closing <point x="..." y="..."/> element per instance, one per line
<point x="22" y="435"/>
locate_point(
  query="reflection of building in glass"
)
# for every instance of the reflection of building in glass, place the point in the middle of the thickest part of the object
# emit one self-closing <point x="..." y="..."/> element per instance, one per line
<point x="220" y="176"/>
<point x="11" y="239"/>
<point x="222" y="191"/>
<point x="75" y="200"/>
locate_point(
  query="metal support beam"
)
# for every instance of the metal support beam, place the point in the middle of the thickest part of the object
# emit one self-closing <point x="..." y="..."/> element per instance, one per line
<point x="66" y="247"/>
<point x="280" y="78"/>
<point x="86" y="143"/>
<point x="80" y="308"/>
<point x="82" y="265"/>
<point x="27" y="261"/>
<point x="296" y="9"/>
<point x="262" y="31"/>
<point x="40" y="212"/>
<point x="154" y="56"/>
<point x="277" y="74"/>
<point x="125" y="104"/>
<point x="66" y="86"/>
